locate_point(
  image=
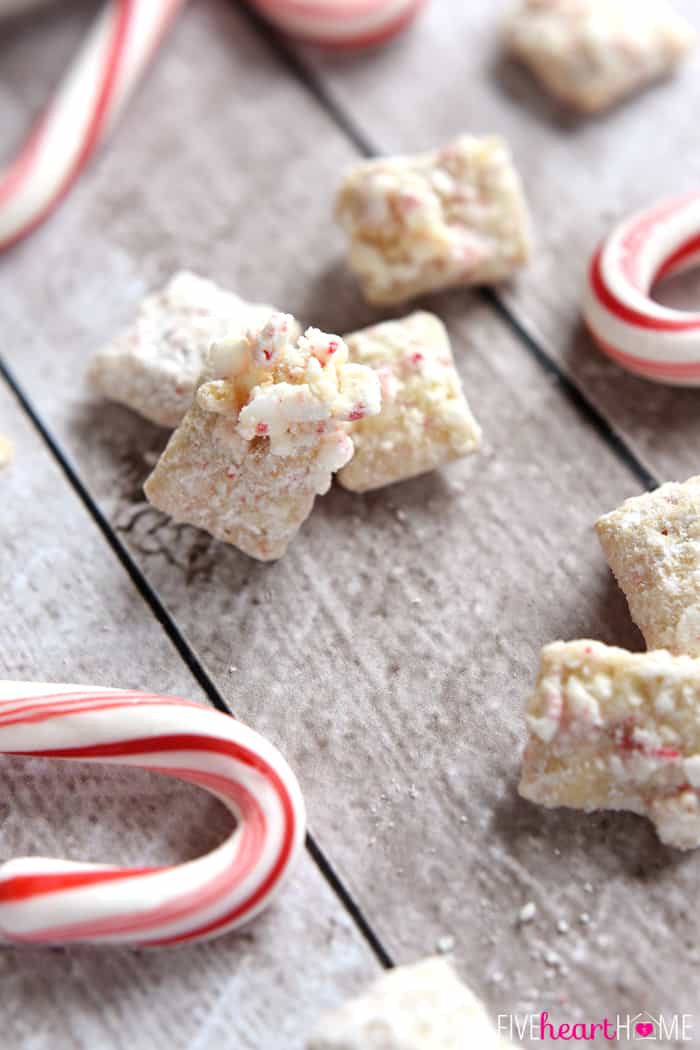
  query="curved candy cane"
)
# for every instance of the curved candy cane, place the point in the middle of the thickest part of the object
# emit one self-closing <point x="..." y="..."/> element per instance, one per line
<point x="46" y="901"/>
<point x="115" y="54"/>
<point x="640" y="334"/>
<point x="341" y="23"/>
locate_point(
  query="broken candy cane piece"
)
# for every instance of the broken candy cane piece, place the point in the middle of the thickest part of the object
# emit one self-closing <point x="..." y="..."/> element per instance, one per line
<point x="610" y="729"/>
<point x="652" y="543"/>
<point x="591" y="53"/>
<point x="456" y="216"/>
<point x="263" y="436"/>
<point x="48" y="901"/>
<point x="423" y="1006"/>
<point x="154" y="366"/>
<point x="425" y="420"/>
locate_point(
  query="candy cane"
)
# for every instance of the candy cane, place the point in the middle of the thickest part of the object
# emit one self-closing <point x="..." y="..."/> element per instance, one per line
<point x="341" y="23"/>
<point x="46" y="901"/>
<point x="115" y="54"/>
<point x="640" y="334"/>
<point x="82" y="112"/>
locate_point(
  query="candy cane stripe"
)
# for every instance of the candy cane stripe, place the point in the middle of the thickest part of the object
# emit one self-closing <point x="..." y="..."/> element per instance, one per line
<point x="638" y="333"/>
<point x="48" y="901"/>
<point x="83" y="110"/>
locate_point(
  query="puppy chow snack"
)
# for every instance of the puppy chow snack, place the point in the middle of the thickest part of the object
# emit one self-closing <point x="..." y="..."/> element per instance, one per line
<point x="652" y="543"/>
<point x="417" y="224"/>
<point x="419" y="1007"/>
<point x="425" y="420"/>
<point x="610" y="729"/>
<point x="264" y="436"/>
<point x="154" y="366"/>
<point x="591" y="53"/>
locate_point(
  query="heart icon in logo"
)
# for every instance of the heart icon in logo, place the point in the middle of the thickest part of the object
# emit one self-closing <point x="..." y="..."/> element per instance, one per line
<point x="645" y="1029"/>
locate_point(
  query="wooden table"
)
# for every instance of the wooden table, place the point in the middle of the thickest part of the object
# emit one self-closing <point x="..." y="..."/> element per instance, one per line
<point x="389" y="654"/>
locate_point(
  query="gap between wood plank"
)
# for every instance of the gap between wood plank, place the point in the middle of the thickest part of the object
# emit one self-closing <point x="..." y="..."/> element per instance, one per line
<point x="366" y="148"/>
<point x="186" y="653"/>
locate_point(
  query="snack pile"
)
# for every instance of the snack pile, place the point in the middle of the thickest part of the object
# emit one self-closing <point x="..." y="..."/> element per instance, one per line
<point x="425" y="420"/>
<point x="590" y="54"/>
<point x="456" y="216"/>
<point x="263" y="436"/>
<point x="652" y="543"/>
<point x="610" y="729"/>
<point x="154" y="366"/>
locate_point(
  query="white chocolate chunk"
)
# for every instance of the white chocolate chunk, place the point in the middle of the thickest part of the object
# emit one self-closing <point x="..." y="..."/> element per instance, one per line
<point x="7" y="452"/>
<point x="419" y="1007"/>
<point x="634" y="746"/>
<point x="652" y="543"/>
<point x="263" y="436"/>
<point x="425" y="420"/>
<point x="591" y="53"/>
<point x="154" y="366"/>
<point x="456" y="216"/>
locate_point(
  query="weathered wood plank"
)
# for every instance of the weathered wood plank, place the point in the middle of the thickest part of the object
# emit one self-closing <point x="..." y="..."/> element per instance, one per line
<point x="394" y="645"/>
<point x="70" y="613"/>
<point x="446" y="75"/>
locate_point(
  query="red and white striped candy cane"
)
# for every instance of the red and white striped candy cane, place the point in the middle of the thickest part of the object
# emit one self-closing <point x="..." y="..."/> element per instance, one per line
<point x="81" y="113"/>
<point x="640" y="334"/>
<point x="341" y="23"/>
<point x="115" y="54"/>
<point x="46" y="901"/>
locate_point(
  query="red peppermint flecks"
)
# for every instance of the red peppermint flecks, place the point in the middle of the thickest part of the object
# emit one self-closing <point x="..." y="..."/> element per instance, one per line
<point x="261" y="428"/>
<point x="358" y="412"/>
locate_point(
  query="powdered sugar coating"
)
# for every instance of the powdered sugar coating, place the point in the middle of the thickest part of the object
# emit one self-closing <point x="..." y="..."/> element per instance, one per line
<point x="456" y="216"/>
<point x="154" y="366"/>
<point x="419" y="1007"/>
<point x="425" y="420"/>
<point x="610" y="729"/>
<point x="592" y="53"/>
<point x="263" y="436"/>
<point x="652" y="543"/>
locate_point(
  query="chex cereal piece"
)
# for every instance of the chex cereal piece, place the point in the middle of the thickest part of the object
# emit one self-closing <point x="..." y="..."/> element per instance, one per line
<point x="417" y="224"/>
<point x="419" y="1007"/>
<point x="592" y="53"/>
<point x="610" y="729"/>
<point x="7" y="452"/>
<point x="154" y="365"/>
<point x="652" y="543"/>
<point x="263" y="436"/>
<point x="425" y="420"/>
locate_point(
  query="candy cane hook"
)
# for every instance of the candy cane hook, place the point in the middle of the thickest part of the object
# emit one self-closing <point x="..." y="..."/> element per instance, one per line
<point x="47" y="901"/>
<point x="639" y="333"/>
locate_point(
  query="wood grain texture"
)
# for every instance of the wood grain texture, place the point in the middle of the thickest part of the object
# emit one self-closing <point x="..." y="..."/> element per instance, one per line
<point x="391" y="651"/>
<point x="70" y="613"/>
<point x="448" y="74"/>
